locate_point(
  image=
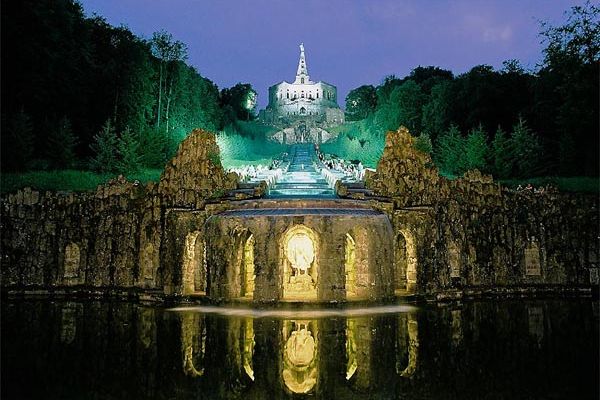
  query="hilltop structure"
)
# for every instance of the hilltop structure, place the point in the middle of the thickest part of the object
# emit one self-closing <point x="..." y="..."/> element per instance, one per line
<point x="303" y="109"/>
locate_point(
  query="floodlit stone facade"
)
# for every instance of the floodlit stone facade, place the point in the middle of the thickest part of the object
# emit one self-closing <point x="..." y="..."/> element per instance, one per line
<point x="412" y="233"/>
<point x="304" y="107"/>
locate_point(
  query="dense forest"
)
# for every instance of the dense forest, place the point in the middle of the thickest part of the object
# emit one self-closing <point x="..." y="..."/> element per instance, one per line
<point x="80" y="93"/>
<point x="510" y="122"/>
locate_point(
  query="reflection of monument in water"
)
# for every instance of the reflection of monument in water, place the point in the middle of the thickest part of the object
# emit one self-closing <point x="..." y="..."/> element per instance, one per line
<point x="303" y="109"/>
<point x="306" y="351"/>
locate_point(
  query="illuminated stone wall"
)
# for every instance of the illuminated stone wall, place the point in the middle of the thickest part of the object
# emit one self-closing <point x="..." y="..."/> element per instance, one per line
<point x="274" y="279"/>
<point x="471" y="233"/>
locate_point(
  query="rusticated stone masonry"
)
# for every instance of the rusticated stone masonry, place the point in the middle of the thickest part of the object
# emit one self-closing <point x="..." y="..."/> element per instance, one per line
<point x="470" y="232"/>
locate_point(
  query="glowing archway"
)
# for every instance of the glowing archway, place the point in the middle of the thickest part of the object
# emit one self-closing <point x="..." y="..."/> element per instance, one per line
<point x="194" y="264"/>
<point x="406" y="261"/>
<point x="350" y="266"/>
<point x="299" y="255"/>
<point x="247" y="273"/>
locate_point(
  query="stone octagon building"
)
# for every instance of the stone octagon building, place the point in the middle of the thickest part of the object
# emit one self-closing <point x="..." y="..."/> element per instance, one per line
<point x="303" y="109"/>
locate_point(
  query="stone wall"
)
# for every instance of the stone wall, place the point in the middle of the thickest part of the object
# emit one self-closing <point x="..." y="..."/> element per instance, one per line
<point x="470" y="232"/>
<point x="121" y="237"/>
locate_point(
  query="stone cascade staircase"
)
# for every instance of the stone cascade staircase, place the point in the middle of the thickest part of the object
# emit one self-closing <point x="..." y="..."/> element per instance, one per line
<point x="303" y="177"/>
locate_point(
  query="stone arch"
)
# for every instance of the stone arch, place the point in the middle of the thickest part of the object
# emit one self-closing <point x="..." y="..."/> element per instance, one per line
<point x="147" y="266"/>
<point x="406" y="261"/>
<point x="299" y="255"/>
<point x="454" y="259"/>
<point x="72" y="261"/>
<point x="358" y="239"/>
<point x="194" y="277"/>
<point x="247" y="268"/>
<point x="302" y="109"/>
<point x="531" y="258"/>
<point x="350" y="266"/>
<point x="241" y="274"/>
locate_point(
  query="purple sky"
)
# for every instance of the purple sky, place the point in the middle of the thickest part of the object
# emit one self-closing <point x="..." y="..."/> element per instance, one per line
<point x="348" y="43"/>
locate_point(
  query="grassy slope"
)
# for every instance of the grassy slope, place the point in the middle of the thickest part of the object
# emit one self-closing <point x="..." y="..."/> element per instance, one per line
<point x="74" y="180"/>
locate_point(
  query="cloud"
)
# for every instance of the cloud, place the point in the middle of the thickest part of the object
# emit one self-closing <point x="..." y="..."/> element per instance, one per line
<point x="486" y="29"/>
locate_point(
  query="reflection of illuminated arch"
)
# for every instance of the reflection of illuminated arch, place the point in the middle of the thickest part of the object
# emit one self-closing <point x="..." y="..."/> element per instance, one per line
<point x="248" y="350"/>
<point x="411" y="327"/>
<point x="351" y="348"/>
<point x="300" y="356"/>
<point x="194" y="264"/>
<point x="406" y="261"/>
<point x="350" y="266"/>
<point x="299" y="258"/>
<point x="193" y="343"/>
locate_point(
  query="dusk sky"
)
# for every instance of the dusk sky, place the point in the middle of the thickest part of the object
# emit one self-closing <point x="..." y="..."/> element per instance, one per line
<point x="348" y="43"/>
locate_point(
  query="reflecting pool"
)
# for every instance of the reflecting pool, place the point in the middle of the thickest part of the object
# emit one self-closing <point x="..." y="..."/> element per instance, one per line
<point x="472" y="350"/>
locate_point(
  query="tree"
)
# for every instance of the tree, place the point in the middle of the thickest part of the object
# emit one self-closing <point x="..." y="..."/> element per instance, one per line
<point x="60" y="145"/>
<point x="17" y="142"/>
<point x="423" y="143"/>
<point x="437" y="110"/>
<point x="476" y="150"/>
<point x="240" y="100"/>
<point x="153" y="148"/>
<point x="361" y="102"/>
<point x="105" y="149"/>
<point x="570" y="76"/>
<point x="450" y="151"/>
<point x="403" y="107"/>
<point x="527" y="150"/>
<point x="168" y="51"/>
<point x="502" y="154"/>
<point x="129" y="152"/>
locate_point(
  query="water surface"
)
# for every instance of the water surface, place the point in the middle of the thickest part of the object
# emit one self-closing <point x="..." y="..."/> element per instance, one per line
<point x="476" y="350"/>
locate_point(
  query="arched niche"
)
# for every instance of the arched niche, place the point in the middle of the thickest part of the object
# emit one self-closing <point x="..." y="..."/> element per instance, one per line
<point x="147" y="261"/>
<point x="406" y="262"/>
<point x="299" y="251"/>
<point x="300" y="355"/>
<point x="240" y="274"/>
<point x="454" y="259"/>
<point x="350" y="266"/>
<point x="356" y="263"/>
<point x="72" y="261"/>
<point x="247" y="274"/>
<point x="194" y="264"/>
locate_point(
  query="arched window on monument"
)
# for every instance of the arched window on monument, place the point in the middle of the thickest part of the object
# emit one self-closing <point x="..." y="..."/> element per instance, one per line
<point x="301" y="80"/>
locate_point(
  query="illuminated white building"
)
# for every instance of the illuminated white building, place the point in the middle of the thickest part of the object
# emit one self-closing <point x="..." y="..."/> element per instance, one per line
<point x="303" y="104"/>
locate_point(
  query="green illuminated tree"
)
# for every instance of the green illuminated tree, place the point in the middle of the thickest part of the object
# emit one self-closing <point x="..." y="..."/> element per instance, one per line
<point x="449" y="151"/>
<point x="361" y="102"/>
<point x="423" y="143"/>
<point x="128" y="147"/>
<point x="238" y="102"/>
<point x="476" y="150"/>
<point x="168" y="51"/>
<point x="105" y="150"/>
<point x="527" y="150"/>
